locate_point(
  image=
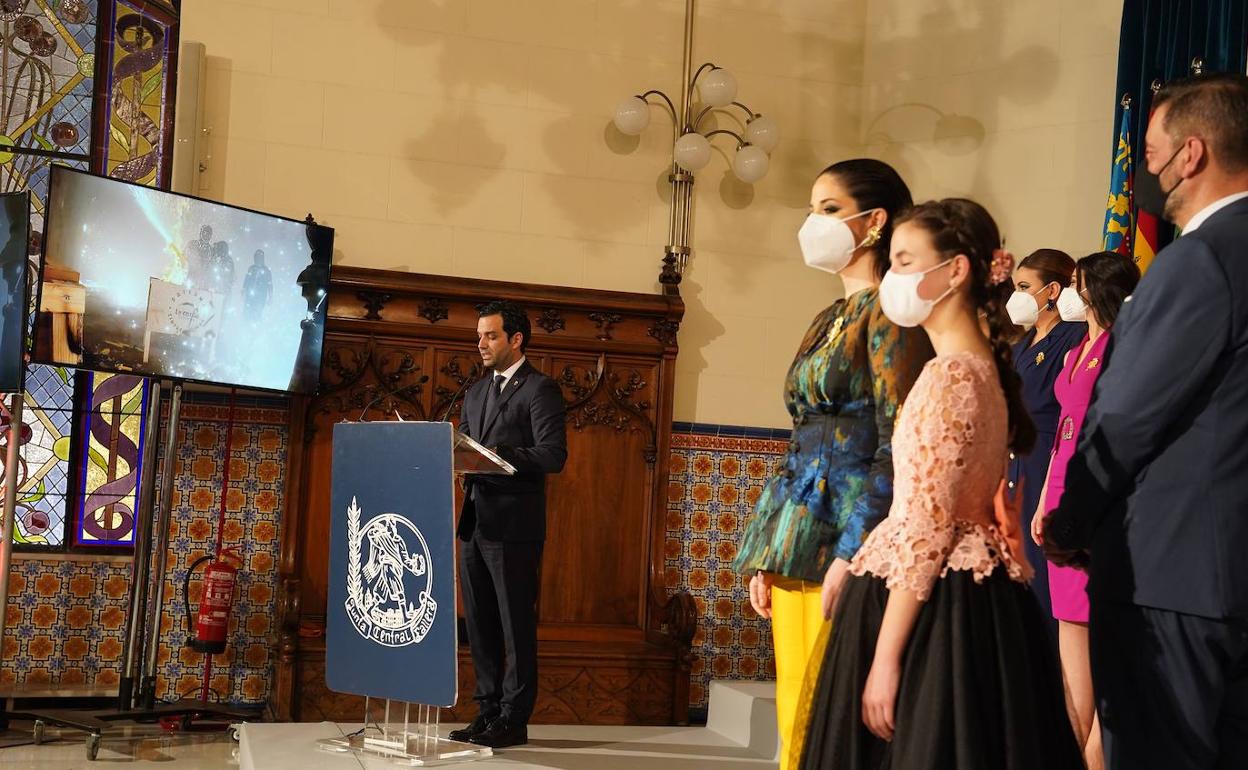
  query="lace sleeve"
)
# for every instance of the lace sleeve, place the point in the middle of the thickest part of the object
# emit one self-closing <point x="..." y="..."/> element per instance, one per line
<point x="944" y="427"/>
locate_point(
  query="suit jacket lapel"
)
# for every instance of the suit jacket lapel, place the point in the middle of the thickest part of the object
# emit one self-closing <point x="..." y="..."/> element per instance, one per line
<point x="516" y="382"/>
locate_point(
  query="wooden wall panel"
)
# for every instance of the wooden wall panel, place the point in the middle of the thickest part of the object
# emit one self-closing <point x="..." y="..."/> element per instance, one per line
<point x="614" y="646"/>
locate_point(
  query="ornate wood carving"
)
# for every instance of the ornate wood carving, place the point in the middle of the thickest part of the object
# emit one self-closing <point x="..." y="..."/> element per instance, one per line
<point x="551" y="321"/>
<point x="578" y="384"/>
<point x="373" y="301"/>
<point x="616" y="647"/>
<point x="378" y="377"/>
<point x="617" y="405"/>
<point x="605" y="322"/>
<point x="665" y="331"/>
<point x="462" y="371"/>
<point x="434" y="310"/>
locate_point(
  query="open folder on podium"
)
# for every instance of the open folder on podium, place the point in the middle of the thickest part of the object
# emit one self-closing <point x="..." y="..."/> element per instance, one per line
<point x="390" y="622"/>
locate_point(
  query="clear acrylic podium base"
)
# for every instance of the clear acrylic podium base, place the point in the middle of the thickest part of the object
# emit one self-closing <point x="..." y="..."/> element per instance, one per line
<point x="407" y="743"/>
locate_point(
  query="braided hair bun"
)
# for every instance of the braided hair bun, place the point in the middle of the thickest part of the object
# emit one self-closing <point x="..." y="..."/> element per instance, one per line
<point x="961" y="226"/>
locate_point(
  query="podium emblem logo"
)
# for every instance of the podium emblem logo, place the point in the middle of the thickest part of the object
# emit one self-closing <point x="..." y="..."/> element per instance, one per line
<point x="389" y="579"/>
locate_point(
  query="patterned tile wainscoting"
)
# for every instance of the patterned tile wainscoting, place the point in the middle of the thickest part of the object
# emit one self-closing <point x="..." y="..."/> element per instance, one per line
<point x="64" y="624"/>
<point x="65" y="620"/>
<point x="253" y="509"/>
<point x="717" y="474"/>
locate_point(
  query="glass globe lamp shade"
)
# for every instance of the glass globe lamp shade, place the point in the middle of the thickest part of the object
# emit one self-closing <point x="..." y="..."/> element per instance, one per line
<point x="763" y="132"/>
<point x="750" y="164"/>
<point x="717" y="88"/>
<point x="692" y="151"/>
<point x="632" y="116"/>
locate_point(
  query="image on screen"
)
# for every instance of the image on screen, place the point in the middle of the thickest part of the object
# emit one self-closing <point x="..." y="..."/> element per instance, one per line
<point x="143" y="281"/>
<point x="15" y="232"/>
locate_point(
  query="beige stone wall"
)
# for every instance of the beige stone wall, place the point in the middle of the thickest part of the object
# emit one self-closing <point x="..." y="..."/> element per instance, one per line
<point x="1008" y="102"/>
<point x="472" y="137"/>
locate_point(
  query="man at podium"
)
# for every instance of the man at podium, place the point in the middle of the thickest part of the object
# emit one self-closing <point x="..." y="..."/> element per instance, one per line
<point x="519" y="413"/>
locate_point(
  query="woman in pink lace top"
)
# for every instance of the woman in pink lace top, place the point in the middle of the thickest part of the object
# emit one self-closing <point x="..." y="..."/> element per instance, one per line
<point x="939" y="656"/>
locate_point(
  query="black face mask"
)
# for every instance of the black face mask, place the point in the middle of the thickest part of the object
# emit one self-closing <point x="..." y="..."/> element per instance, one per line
<point x="1148" y="193"/>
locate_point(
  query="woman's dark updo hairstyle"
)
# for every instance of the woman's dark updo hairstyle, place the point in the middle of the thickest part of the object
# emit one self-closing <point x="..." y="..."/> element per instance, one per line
<point x="1107" y="278"/>
<point x="961" y="226"/>
<point x="873" y="184"/>
<point x="1054" y="266"/>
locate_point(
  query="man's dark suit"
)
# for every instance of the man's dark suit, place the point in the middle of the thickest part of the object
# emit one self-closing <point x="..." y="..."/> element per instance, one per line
<point x="502" y="528"/>
<point x="1158" y="493"/>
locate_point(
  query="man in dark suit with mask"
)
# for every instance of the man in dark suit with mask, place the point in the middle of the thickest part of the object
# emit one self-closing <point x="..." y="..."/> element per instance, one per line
<point x="519" y="412"/>
<point x="1156" y="499"/>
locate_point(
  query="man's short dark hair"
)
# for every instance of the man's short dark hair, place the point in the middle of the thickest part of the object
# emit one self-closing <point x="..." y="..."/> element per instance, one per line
<point x="514" y="319"/>
<point x="1213" y="107"/>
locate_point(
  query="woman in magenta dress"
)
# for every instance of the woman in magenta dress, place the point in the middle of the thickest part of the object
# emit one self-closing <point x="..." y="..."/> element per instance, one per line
<point x="1103" y="281"/>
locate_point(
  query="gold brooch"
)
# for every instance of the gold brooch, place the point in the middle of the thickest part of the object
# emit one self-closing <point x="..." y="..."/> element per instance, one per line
<point x="1040" y="358"/>
<point x="1093" y="363"/>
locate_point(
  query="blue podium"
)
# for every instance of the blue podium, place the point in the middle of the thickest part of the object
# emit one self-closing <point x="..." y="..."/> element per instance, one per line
<point x="390" y="625"/>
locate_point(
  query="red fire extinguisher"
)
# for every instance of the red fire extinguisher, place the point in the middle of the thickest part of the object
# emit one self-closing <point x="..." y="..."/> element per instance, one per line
<point x="207" y="632"/>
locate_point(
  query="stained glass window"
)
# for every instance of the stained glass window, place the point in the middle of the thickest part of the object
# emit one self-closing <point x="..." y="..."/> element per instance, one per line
<point x="47" y="97"/>
<point x="43" y="473"/>
<point x="137" y="86"/>
<point x="47" y="65"/>
<point x="114" y="414"/>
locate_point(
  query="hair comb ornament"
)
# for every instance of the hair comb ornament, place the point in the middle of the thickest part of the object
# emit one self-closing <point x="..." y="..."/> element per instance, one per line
<point x="1002" y="267"/>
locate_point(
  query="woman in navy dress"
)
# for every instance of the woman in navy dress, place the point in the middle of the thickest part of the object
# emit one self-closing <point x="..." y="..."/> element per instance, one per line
<point x="1038" y="359"/>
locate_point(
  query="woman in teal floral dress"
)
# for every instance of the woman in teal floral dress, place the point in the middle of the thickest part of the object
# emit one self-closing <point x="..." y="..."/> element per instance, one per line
<point x="843" y="390"/>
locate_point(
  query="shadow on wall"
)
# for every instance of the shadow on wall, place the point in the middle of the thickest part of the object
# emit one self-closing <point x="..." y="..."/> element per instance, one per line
<point x="540" y="120"/>
<point x="700" y="328"/>
<point x="948" y="127"/>
<point x="460" y="123"/>
<point x="498" y="112"/>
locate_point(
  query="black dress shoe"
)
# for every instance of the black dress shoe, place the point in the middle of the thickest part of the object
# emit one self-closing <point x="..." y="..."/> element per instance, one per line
<point x="502" y="733"/>
<point x="474" y="728"/>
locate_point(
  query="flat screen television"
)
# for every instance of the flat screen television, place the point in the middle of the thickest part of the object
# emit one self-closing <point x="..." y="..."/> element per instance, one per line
<point x="142" y="281"/>
<point x="14" y="297"/>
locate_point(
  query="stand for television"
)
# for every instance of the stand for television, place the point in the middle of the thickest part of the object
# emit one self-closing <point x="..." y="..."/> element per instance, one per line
<point x="141" y="649"/>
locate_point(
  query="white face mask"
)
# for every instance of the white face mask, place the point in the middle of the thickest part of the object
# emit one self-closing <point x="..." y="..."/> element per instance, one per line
<point x="1070" y="305"/>
<point x="1022" y="307"/>
<point x="827" y="242"/>
<point x="900" y="300"/>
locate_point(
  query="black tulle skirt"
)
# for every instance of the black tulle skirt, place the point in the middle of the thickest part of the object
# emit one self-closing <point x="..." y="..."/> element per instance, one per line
<point x="980" y="686"/>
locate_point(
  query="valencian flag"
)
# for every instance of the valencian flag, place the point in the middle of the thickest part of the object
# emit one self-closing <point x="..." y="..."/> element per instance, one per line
<point x="1120" y="208"/>
<point x="1128" y="230"/>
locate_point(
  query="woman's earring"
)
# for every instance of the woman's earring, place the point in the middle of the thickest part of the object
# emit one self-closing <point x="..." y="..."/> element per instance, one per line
<point x="873" y="237"/>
